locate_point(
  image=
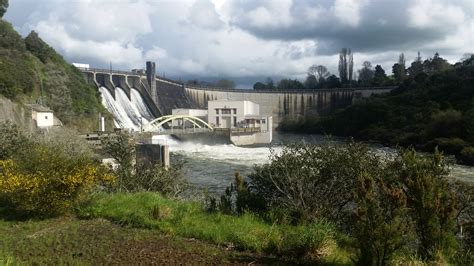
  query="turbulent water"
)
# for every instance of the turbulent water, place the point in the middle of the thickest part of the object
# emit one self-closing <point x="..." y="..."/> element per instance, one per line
<point x="212" y="167"/>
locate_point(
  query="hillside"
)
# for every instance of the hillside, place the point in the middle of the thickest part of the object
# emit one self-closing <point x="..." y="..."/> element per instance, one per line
<point x="427" y="111"/>
<point x="29" y="64"/>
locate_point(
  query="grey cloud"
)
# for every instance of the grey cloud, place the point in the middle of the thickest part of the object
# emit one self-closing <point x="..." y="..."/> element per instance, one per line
<point x="383" y="25"/>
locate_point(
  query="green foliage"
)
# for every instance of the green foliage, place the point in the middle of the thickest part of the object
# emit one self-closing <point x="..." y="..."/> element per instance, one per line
<point x="467" y="155"/>
<point x="12" y="140"/>
<point x="169" y="181"/>
<point x="119" y="147"/>
<point x="41" y="177"/>
<point x="39" y="48"/>
<point x="225" y="83"/>
<point x="423" y="112"/>
<point x="289" y="84"/>
<point x="381" y="225"/>
<point x="3" y="7"/>
<point x="189" y="219"/>
<point x="9" y="38"/>
<point x="26" y="66"/>
<point x="431" y="203"/>
<point x="313" y="181"/>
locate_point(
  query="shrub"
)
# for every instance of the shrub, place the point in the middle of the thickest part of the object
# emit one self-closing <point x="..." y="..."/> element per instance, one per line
<point x="381" y="226"/>
<point x="313" y="181"/>
<point x="447" y="145"/>
<point x="431" y="203"/>
<point x="467" y="155"/>
<point x="12" y="140"/>
<point x="46" y="175"/>
<point x="169" y="181"/>
<point x="49" y="185"/>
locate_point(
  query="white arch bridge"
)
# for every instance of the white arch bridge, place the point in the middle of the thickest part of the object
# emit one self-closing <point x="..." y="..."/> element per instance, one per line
<point x="177" y="124"/>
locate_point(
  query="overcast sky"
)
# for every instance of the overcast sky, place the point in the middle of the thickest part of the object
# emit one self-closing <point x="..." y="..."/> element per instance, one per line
<point x="246" y="39"/>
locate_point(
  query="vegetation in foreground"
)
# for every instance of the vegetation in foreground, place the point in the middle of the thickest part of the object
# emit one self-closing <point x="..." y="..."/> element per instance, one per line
<point x="434" y="108"/>
<point x="67" y="240"/>
<point x="332" y="203"/>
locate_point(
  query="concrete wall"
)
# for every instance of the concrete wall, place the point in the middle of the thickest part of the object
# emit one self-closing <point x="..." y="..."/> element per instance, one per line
<point x="292" y="104"/>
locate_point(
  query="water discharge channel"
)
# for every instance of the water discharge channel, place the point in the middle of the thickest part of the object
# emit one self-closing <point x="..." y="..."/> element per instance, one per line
<point x="212" y="167"/>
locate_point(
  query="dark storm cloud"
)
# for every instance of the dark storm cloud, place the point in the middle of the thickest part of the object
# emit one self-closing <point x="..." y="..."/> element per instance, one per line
<point x="382" y="24"/>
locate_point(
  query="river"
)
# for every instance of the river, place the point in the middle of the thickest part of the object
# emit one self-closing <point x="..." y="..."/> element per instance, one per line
<point x="212" y="167"/>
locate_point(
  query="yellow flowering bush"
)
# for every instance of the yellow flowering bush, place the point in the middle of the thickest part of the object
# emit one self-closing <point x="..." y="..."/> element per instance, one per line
<point x="47" y="182"/>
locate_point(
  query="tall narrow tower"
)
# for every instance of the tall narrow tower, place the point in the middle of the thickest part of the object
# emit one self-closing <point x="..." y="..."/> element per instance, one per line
<point x="150" y="77"/>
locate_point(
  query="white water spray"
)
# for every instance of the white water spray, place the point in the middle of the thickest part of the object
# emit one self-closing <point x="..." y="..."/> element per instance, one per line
<point x="128" y="114"/>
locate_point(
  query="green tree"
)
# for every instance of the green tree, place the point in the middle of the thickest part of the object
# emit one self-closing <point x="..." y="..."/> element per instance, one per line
<point x="120" y="148"/>
<point x="431" y="203"/>
<point x="435" y="64"/>
<point x="290" y="84"/>
<point x="346" y="64"/>
<point x="380" y="78"/>
<point x="333" y="82"/>
<point x="3" y="7"/>
<point x="270" y="84"/>
<point x="225" y="83"/>
<point x="381" y="226"/>
<point x="366" y="73"/>
<point x="319" y="71"/>
<point x="399" y="69"/>
<point x="416" y="67"/>
<point x="259" y="86"/>
<point x="311" y="82"/>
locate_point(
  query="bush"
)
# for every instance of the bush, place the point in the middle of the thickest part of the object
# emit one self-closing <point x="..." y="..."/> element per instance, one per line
<point x="313" y="181"/>
<point x="467" y="155"/>
<point x="46" y="175"/>
<point x="447" y="145"/>
<point x="12" y="140"/>
<point x="47" y="182"/>
<point x="169" y="181"/>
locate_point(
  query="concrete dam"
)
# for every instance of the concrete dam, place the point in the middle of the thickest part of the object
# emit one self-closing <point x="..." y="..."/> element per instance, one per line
<point x="162" y="95"/>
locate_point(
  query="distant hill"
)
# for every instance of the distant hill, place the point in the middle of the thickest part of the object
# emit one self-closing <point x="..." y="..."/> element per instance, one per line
<point x="432" y="109"/>
<point x="29" y="64"/>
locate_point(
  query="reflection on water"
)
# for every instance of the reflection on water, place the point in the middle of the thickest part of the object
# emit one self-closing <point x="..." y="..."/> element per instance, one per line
<point x="212" y="167"/>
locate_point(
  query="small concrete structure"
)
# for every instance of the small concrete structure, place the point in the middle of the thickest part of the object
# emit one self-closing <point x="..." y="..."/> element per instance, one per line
<point x="148" y="155"/>
<point x="43" y="116"/>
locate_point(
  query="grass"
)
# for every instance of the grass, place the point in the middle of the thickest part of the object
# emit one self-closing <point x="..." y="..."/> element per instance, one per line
<point x="71" y="241"/>
<point x="313" y="242"/>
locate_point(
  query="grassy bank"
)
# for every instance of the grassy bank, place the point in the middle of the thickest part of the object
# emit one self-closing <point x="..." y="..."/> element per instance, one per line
<point x="313" y="242"/>
<point x="69" y="241"/>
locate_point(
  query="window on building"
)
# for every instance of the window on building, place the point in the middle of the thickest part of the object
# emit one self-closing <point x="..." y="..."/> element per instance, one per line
<point x="226" y="111"/>
<point x="235" y="121"/>
<point x="235" y="111"/>
<point x="263" y="121"/>
<point x="45" y="117"/>
<point x="217" y="121"/>
<point x="217" y="111"/>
